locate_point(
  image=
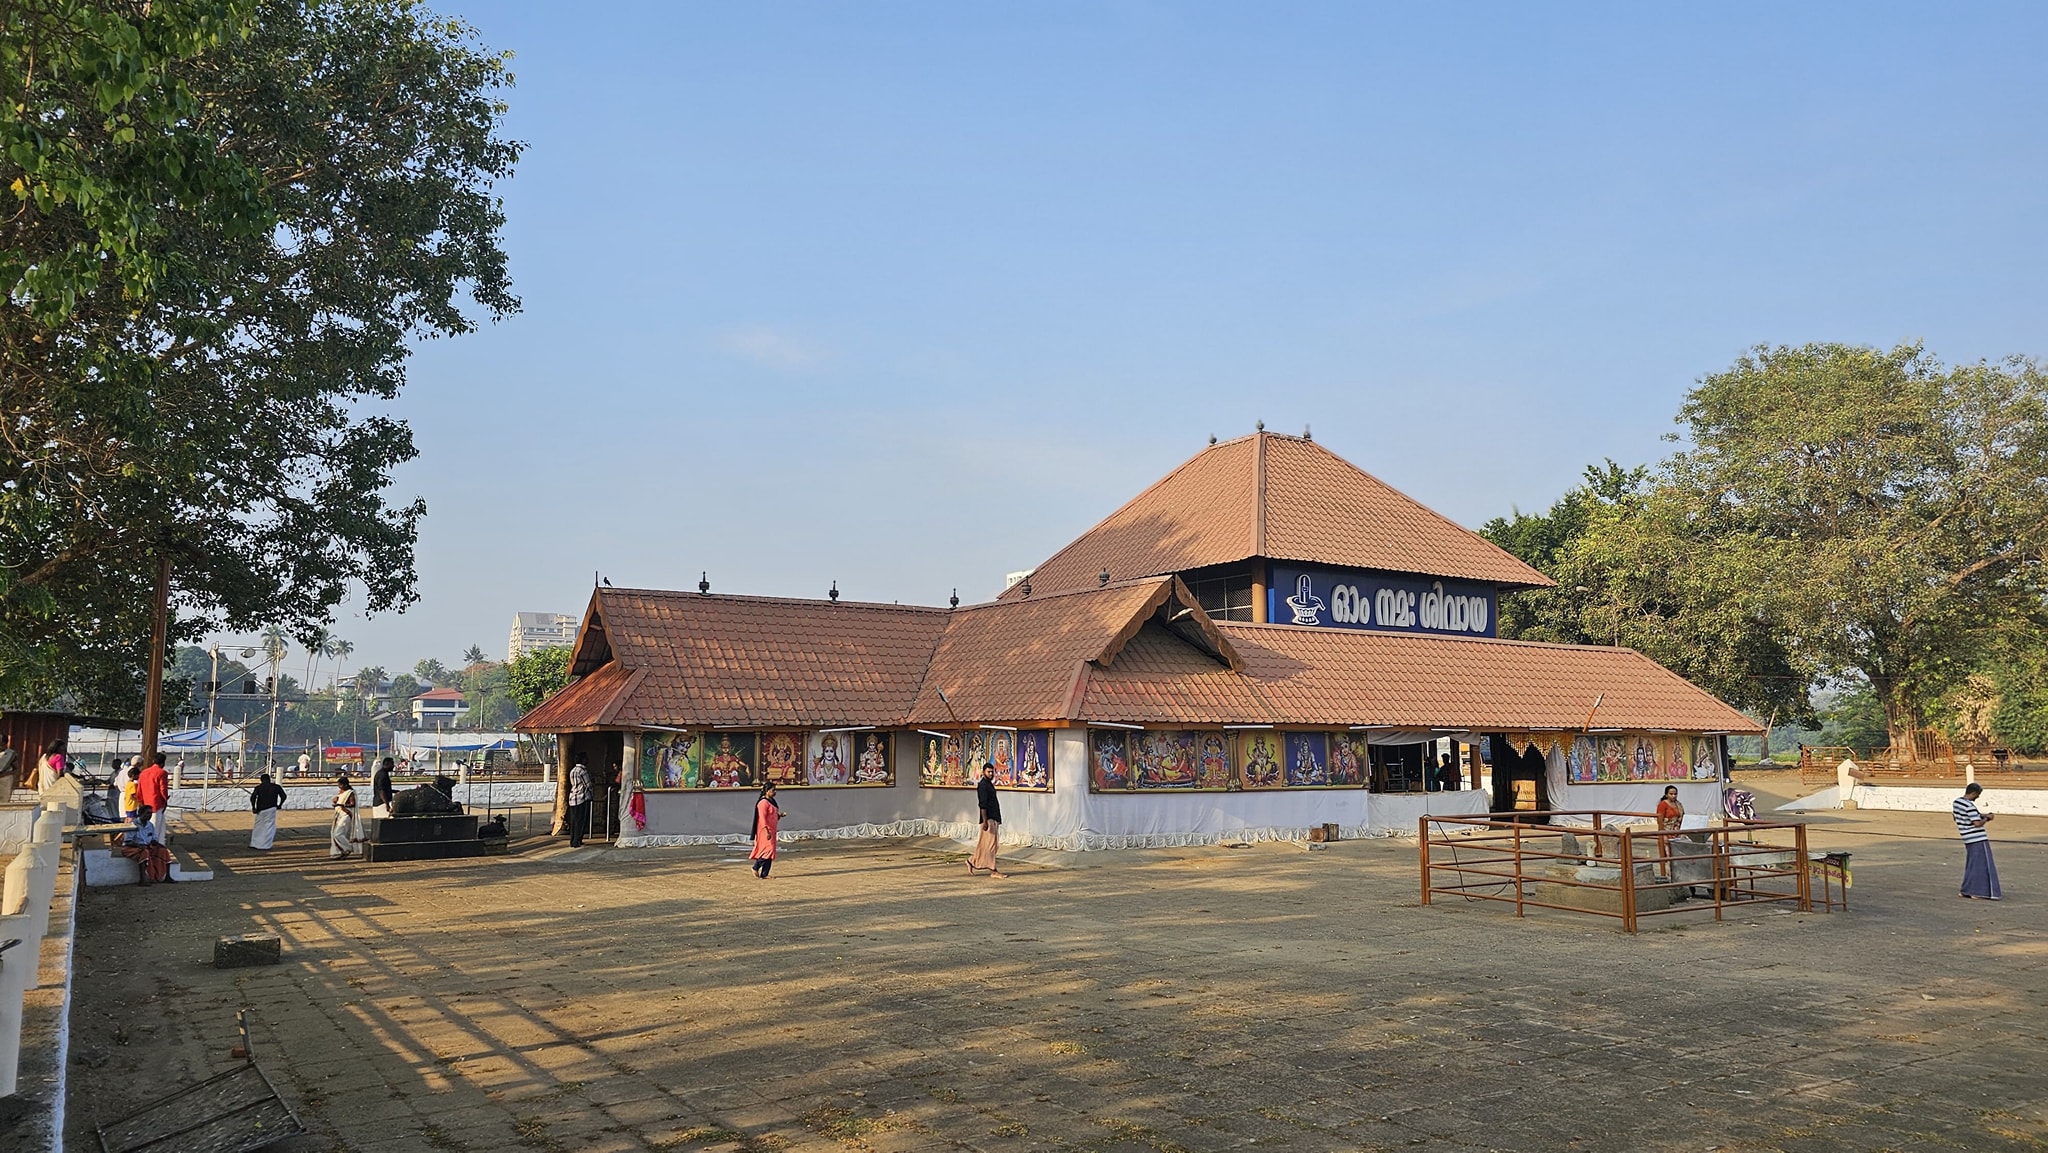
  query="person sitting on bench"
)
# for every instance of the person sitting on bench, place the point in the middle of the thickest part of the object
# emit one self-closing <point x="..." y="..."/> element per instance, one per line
<point x="146" y="848"/>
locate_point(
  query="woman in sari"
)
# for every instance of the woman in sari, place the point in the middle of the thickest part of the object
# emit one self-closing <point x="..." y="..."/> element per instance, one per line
<point x="767" y="819"/>
<point x="343" y="842"/>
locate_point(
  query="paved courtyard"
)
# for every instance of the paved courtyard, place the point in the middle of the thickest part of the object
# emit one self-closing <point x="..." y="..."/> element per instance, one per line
<point x="872" y="996"/>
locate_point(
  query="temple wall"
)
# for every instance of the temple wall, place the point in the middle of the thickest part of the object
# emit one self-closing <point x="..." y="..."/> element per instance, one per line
<point x="1069" y="817"/>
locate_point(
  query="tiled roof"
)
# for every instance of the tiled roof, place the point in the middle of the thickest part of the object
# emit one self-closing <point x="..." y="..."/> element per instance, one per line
<point x="439" y="695"/>
<point x="1279" y="497"/>
<point x="768" y="661"/>
<point x="1030" y="660"/>
<point x="1135" y="652"/>
<point x="590" y="702"/>
<point x="1345" y="676"/>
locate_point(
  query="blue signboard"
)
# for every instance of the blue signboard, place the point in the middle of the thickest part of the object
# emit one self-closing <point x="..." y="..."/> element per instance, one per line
<point x="1353" y="600"/>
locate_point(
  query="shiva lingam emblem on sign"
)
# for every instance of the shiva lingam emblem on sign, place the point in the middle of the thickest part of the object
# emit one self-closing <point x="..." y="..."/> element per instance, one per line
<point x="1307" y="606"/>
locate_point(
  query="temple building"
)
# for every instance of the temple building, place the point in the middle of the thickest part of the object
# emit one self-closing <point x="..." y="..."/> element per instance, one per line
<point x="1266" y="640"/>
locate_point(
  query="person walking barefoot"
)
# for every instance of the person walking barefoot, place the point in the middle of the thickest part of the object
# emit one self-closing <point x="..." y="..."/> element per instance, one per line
<point x="767" y="819"/>
<point x="1980" y="874"/>
<point x="991" y="820"/>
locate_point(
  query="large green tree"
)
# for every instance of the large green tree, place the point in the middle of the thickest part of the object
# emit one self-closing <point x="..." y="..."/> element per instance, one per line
<point x="1888" y="513"/>
<point x="1632" y="570"/>
<point x="225" y="223"/>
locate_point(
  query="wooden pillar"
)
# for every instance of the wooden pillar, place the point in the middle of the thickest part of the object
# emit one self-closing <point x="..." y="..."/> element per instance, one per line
<point x="1259" y="591"/>
<point x="563" y="741"/>
<point x="153" y="695"/>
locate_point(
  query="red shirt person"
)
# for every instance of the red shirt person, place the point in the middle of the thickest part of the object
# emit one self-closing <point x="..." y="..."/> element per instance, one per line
<point x="153" y="788"/>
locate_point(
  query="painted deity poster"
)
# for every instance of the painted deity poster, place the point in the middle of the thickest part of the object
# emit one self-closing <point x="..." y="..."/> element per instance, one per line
<point x="931" y="761"/>
<point x="1034" y="760"/>
<point x="1258" y="758"/>
<point x="955" y="760"/>
<point x="1613" y="759"/>
<point x="1212" y="762"/>
<point x="1581" y="764"/>
<point x="1308" y="759"/>
<point x="976" y="754"/>
<point x="782" y="758"/>
<point x="828" y="759"/>
<point x="1002" y="757"/>
<point x="1706" y="758"/>
<point x="1162" y="759"/>
<point x="1348" y="758"/>
<point x="871" y="765"/>
<point x="728" y="761"/>
<point x="1109" y="760"/>
<point x="670" y="760"/>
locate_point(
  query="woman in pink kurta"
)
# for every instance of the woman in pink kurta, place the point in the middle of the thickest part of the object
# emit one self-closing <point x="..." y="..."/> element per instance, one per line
<point x="767" y="818"/>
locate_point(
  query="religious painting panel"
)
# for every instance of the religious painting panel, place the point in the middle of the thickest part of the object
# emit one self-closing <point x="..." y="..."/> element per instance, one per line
<point x="1348" y="758"/>
<point x="1581" y="762"/>
<point x="781" y="758"/>
<point x="1212" y="761"/>
<point x="1612" y="764"/>
<point x="1258" y="758"/>
<point x="1109" y="760"/>
<point x="828" y="759"/>
<point x="1002" y="757"/>
<point x="1706" y="758"/>
<point x="975" y="753"/>
<point x="1034" y="760"/>
<point x="931" y="760"/>
<point x="1308" y="760"/>
<point x="728" y="761"/>
<point x="1163" y="759"/>
<point x="871" y="765"/>
<point x="671" y="760"/>
<point x="956" y="761"/>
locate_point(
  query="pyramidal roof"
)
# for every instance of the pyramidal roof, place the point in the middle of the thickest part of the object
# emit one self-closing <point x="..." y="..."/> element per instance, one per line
<point x="1280" y="497"/>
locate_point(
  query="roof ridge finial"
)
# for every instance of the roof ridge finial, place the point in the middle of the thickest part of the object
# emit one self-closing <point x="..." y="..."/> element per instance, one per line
<point x="1306" y="434"/>
<point x="1261" y="426"/>
<point x="1212" y="438"/>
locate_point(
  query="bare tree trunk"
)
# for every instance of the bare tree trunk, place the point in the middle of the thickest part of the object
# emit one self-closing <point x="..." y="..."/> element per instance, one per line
<point x="1764" y="756"/>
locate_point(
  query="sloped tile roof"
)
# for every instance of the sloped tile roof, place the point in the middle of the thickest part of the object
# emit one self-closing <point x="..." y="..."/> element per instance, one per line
<point x="1280" y="497"/>
<point x="768" y="661"/>
<point x="1025" y="660"/>
<point x="1134" y="652"/>
<point x="587" y="703"/>
<point x="1344" y="676"/>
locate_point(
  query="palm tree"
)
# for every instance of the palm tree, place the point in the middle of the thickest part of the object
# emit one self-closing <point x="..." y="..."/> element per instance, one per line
<point x="475" y="655"/>
<point x="274" y="645"/>
<point x="315" y="647"/>
<point x="338" y="651"/>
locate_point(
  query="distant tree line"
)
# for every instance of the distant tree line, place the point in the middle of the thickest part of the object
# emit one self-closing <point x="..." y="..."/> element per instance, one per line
<point x="1846" y="531"/>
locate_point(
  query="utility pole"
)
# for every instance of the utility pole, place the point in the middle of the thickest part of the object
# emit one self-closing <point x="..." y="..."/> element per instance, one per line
<point x="272" y="751"/>
<point x="153" y="698"/>
<point x="212" y="720"/>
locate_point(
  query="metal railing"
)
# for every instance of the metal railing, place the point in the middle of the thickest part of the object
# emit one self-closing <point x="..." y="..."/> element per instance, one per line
<point x="1623" y="871"/>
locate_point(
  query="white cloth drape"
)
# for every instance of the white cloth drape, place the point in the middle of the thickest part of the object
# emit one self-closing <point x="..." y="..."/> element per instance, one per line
<point x="263" y="834"/>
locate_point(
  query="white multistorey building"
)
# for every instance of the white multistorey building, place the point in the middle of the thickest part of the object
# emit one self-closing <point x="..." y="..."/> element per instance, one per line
<point x="532" y="631"/>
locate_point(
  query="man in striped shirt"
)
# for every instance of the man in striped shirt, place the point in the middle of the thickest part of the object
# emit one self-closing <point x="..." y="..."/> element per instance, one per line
<point x="1980" y="876"/>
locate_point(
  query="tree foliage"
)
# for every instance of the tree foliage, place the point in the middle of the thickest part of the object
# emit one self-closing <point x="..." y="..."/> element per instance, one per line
<point x="1891" y="512"/>
<point x="1630" y="571"/>
<point x="224" y="223"/>
<point x="538" y="675"/>
<point x="1852" y="517"/>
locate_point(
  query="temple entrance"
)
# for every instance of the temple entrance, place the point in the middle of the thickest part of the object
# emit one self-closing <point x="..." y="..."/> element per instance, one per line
<point x="1519" y="783"/>
<point x="599" y="753"/>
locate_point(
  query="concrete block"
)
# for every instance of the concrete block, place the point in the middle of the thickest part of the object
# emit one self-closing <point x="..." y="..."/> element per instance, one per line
<point x="248" y="949"/>
<point x="105" y="867"/>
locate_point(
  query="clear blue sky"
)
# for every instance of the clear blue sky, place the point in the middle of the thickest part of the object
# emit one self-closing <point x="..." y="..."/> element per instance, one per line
<point x="906" y="296"/>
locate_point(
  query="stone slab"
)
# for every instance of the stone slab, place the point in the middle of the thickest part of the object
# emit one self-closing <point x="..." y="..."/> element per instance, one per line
<point x="247" y="950"/>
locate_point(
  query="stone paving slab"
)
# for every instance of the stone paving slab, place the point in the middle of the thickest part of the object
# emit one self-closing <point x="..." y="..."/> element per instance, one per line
<point x="872" y="997"/>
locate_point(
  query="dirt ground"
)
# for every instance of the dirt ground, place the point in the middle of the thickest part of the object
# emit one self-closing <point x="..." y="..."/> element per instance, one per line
<point x="871" y="996"/>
